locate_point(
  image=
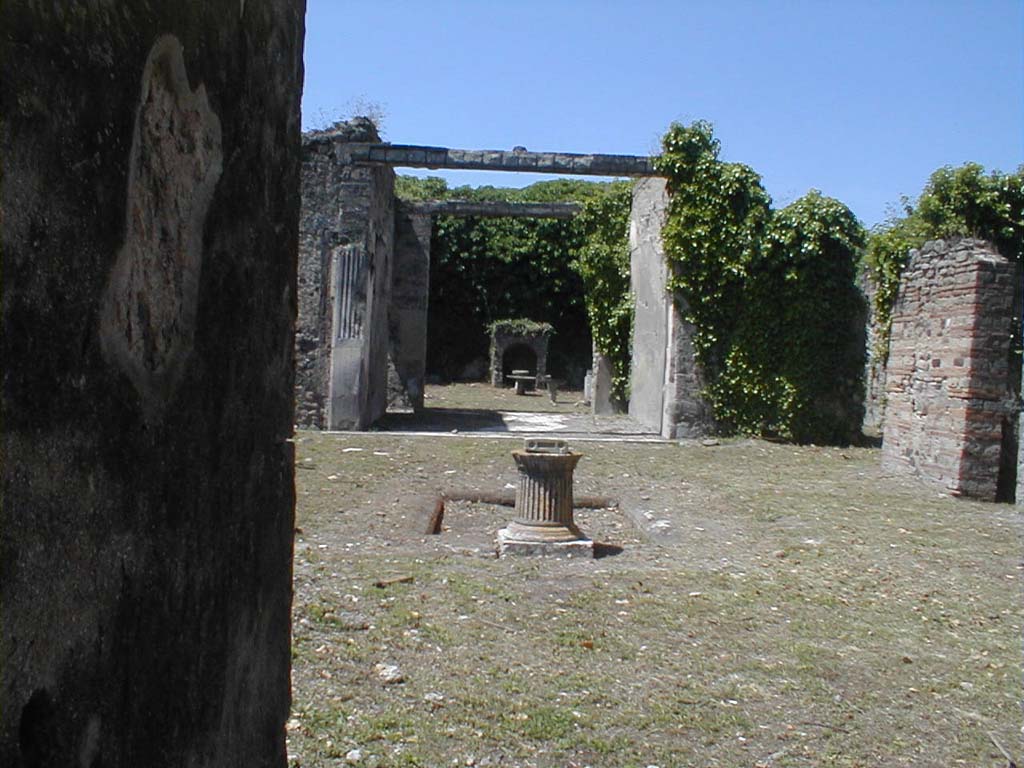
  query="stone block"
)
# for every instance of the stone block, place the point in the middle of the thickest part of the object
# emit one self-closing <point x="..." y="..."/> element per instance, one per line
<point x="508" y="545"/>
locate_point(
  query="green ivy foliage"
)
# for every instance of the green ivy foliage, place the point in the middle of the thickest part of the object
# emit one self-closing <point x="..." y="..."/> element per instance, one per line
<point x="795" y="365"/>
<point x="962" y="201"/>
<point x="603" y="263"/>
<point x="521" y="326"/>
<point x="486" y="269"/>
<point x="717" y="217"/>
<point x="413" y="188"/>
<point x="772" y="295"/>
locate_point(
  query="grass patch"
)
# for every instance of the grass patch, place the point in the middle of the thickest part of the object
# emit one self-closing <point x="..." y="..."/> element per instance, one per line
<point x="796" y="607"/>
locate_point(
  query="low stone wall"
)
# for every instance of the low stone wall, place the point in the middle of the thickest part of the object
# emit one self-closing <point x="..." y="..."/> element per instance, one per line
<point x="949" y="395"/>
<point x="149" y="202"/>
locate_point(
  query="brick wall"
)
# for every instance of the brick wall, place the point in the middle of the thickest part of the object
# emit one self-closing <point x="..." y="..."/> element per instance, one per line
<point x="948" y="376"/>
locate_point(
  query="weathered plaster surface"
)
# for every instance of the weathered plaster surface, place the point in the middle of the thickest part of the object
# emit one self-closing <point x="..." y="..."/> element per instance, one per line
<point x="149" y="202"/>
<point x="148" y="319"/>
<point x="666" y="382"/>
<point x="652" y="303"/>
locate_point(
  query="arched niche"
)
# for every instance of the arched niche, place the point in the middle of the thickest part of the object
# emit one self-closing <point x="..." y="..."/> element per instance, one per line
<point x="518" y="338"/>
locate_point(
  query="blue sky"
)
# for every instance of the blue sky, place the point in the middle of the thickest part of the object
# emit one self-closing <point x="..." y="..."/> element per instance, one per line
<point x="860" y="99"/>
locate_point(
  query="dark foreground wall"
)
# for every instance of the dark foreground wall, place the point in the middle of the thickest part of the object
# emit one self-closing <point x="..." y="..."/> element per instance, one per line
<point x="150" y="191"/>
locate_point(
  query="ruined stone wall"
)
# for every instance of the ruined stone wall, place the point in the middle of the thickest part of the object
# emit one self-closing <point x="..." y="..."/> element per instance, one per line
<point x="313" y="327"/>
<point x="686" y="413"/>
<point x="346" y="249"/>
<point x="149" y="206"/>
<point x="410" y="293"/>
<point x="947" y="382"/>
<point x="503" y="340"/>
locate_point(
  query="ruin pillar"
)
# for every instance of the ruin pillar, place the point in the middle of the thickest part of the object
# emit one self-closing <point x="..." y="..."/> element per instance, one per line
<point x="666" y="382"/>
<point x="949" y="396"/>
<point x="346" y="246"/>
<point x="410" y="294"/>
<point x="602" y="402"/>
<point x="149" y="200"/>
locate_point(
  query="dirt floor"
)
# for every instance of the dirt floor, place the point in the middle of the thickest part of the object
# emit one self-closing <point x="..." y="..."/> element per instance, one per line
<point x="755" y="604"/>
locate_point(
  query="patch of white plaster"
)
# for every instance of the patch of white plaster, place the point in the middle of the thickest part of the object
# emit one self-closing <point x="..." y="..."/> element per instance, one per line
<point x="533" y="422"/>
<point x="89" y="745"/>
<point x="147" y="320"/>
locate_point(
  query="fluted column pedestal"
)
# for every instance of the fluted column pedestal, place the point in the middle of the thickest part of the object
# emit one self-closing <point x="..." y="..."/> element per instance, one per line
<point x="544" y="522"/>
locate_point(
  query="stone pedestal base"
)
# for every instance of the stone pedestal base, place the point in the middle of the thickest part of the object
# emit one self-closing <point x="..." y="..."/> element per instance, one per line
<point x="509" y="545"/>
<point x="544" y="524"/>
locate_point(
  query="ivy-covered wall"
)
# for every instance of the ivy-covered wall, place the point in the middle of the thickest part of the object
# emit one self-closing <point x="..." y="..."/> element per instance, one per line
<point x="483" y="270"/>
<point x="603" y="263"/>
<point x="779" y="320"/>
<point x="956" y="202"/>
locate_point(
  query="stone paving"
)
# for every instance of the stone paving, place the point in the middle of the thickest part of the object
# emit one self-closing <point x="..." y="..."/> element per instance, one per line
<point x="460" y="421"/>
<point x="479" y="409"/>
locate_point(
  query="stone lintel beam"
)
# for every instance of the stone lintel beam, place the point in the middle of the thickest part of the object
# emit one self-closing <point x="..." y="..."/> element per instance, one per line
<point x="494" y="209"/>
<point x="410" y="156"/>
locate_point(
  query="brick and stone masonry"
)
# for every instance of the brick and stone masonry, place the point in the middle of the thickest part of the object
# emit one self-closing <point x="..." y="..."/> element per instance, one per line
<point x="149" y="199"/>
<point x="948" y="388"/>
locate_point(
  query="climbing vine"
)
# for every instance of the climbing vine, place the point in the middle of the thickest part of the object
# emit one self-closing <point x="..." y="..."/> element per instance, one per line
<point x="777" y="323"/>
<point x="603" y="263"/>
<point x="962" y="201"/>
<point x="520" y="326"/>
<point x="795" y="363"/>
<point x="716" y="220"/>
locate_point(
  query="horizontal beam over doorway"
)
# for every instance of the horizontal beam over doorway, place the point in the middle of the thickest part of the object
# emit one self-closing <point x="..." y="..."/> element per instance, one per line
<point x="411" y="156"/>
<point x="494" y="209"/>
